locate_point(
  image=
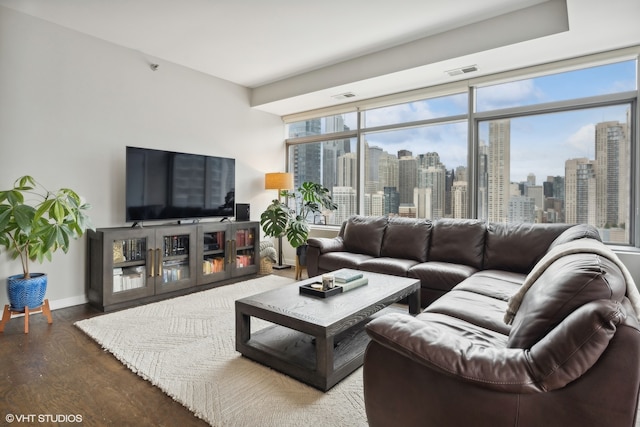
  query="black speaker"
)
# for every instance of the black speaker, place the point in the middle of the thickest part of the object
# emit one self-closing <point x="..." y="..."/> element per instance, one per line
<point x="242" y="212"/>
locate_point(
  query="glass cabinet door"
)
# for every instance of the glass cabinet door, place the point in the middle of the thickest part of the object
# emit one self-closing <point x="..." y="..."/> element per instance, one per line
<point x="245" y="252"/>
<point x="213" y="252"/>
<point x="121" y="265"/>
<point x="174" y="259"/>
<point x="129" y="264"/>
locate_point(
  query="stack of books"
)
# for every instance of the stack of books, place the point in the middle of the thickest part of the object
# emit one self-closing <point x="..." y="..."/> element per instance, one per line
<point x="349" y="279"/>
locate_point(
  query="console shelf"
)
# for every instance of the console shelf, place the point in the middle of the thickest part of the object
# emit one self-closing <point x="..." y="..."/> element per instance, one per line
<point x="129" y="266"/>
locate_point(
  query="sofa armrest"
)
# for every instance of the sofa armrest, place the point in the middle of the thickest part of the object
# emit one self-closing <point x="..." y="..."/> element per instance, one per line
<point x="570" y="349"/>
<point x="325" y="244"/>
<point x="564" y="355"/>
<point x="318" y="246"/>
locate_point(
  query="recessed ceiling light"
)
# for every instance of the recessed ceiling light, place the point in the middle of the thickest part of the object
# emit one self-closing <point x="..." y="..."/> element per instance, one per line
<point x="344" y="95"/>
<point x="462" y="70"/>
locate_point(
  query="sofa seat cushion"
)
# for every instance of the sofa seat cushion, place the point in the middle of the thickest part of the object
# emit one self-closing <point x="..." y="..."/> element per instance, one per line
<point x="493" y="283"/>
<point x="337" y="260"/>
<point x="440" y="275"/>
<point x="406" y="238"/>
<point x="459" y="327"/>
<point x="386" y="265"/>
<point x="564" y="286"/>
<point x="476" y="309"/>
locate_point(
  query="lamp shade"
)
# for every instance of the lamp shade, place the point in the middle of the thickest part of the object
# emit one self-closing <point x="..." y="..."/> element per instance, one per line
<point x="278" y="181"/>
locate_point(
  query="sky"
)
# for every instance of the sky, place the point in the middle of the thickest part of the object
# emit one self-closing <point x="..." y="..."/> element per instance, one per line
<point x="539" y="144"/>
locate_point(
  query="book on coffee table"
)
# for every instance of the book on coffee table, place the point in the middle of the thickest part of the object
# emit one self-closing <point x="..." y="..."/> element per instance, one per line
<point x="346" y="275"/>
<point x="353" y="284"/>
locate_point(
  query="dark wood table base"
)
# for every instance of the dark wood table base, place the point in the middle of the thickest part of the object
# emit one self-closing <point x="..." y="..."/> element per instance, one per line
<point x="301" y="344"/>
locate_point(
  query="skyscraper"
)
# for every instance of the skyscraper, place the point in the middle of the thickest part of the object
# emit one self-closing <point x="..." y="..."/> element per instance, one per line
<point x="305" y="158"/>
<point x="459" y="200"/>
<point x="612" y="154"/>
<point x="580" y="191"/>
<point x="407" y="177"/>
<point x="347" y="175"/>
<point x="499" y="170"/>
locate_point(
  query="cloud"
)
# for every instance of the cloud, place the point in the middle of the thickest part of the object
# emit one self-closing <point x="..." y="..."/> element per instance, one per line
<point x="506" y="95"/>
<point x="398" y="114"/>
<point x="583" y="139"/>
<point x="449" y="141"/>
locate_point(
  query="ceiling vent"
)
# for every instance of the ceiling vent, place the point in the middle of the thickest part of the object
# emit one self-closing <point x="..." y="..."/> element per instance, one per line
<point x="344" y="95"/>
<point x="463" y="70"/>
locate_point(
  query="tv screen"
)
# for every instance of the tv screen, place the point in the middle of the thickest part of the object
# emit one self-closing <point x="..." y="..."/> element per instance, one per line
<point x="169" y="185"/>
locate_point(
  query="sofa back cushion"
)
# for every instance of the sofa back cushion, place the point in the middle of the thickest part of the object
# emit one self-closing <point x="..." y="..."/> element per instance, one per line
<point x="406" y="238"/>
<point x="579" y="231"/>
<point x="565" y="285"/>
<point x="459" y="241"/>
<point x="363" y="234"/>
<point x="518" y="247"/>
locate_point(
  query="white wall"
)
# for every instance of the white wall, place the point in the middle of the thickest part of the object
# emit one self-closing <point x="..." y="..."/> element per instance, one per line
<point x="69" y="104"/>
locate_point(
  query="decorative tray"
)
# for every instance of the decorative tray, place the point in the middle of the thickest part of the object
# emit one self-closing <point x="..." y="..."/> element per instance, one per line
<point x="308" y="289"/>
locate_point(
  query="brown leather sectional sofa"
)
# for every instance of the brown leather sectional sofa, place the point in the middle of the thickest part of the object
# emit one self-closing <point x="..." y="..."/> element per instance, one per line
<point x="569" y="357"/>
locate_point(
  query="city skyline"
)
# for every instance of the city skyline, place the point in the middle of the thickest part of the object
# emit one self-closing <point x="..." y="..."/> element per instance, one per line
<point x="525" y="167"/>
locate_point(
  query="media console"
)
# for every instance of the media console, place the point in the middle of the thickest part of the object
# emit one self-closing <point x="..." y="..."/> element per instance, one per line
<point x="129" y="266"/>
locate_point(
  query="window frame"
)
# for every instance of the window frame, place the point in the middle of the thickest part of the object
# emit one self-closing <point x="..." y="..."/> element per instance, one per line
<point x="473" y="119"/>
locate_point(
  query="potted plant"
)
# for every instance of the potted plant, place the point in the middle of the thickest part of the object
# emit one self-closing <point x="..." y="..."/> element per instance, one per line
<point x="34" y="223"/>
<point x="280" y="220"/>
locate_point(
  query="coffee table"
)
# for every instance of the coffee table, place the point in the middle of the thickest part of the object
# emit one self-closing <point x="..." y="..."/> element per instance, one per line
<point x="318" y="341"/>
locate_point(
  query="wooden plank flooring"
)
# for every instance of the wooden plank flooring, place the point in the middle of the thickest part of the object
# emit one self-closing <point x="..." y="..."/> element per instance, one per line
<point x="57" y="370"/>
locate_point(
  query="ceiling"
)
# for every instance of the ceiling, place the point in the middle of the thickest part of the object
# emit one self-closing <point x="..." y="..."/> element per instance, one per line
<point x="296" y="55"/>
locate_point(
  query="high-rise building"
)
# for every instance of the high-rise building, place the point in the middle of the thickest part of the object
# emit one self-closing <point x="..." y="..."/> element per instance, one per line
<point x="428" y="160"/>
<point x="372" y="169"/>
<point x="407" y="210"/>
<point x="612" y="190"/>
<point x="391" y="201"/>
<point x="435" y="180"/>
<point x="347" y="174"/>
<point x="499" y="170"/>
<point x="345" y="198"/>
<point x="580" y="191"/>
<point x="374" y="204"/>
<point x="305" y="158"/>
<point x="422" y="201"/>
<point x="522" y="209"/>
<point x="483" y="180"/>
<point x="407" y="177"/>
<point x="536" y="193"/>
<point x="331" y="152"/>
<point x="459" y="200"/>
<point x="388" y="171"/>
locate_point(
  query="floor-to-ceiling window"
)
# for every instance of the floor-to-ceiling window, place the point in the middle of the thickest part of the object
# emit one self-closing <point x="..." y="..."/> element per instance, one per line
<point x="557" y="146"/>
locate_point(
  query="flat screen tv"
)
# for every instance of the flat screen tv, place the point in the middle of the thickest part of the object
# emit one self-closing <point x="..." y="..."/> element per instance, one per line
<point x="164" y="185"/>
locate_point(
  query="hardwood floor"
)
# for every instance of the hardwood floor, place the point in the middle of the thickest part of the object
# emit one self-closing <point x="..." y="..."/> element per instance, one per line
<point x="57" y="373"/>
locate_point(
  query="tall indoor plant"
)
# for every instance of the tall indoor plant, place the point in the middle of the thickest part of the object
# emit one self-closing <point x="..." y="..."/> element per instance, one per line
<point x="279" y="220"/>
<point x="34" y="223"/>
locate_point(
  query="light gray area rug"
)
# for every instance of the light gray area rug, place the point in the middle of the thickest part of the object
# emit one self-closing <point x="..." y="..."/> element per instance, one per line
<point x="186" y="347"/>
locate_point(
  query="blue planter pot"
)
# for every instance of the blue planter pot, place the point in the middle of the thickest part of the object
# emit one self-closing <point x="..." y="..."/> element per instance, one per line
<point x="26" y="292"/>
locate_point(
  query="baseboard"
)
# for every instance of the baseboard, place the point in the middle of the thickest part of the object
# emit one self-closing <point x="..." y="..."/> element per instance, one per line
<point x="68" y="302"/>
